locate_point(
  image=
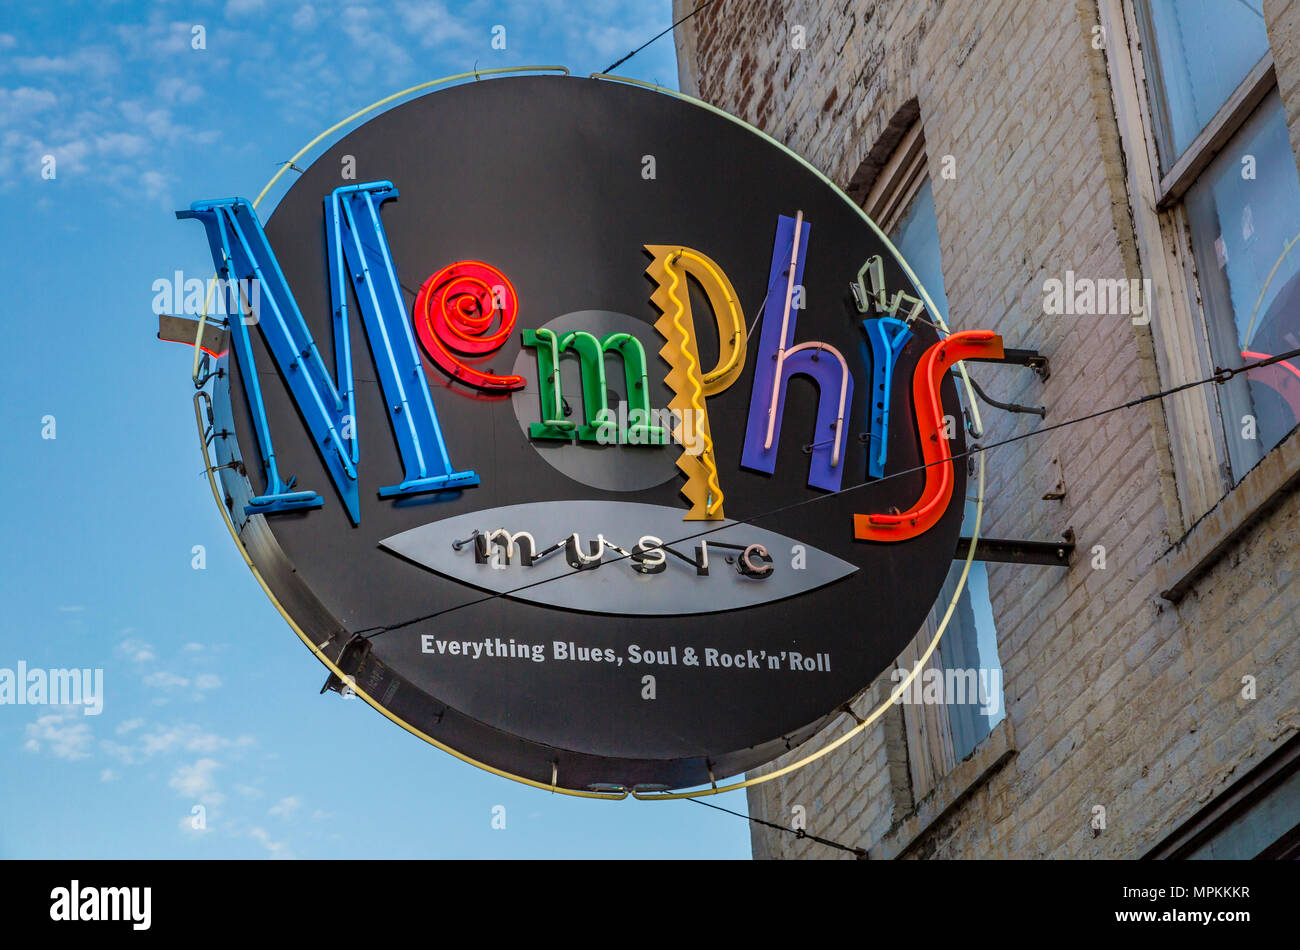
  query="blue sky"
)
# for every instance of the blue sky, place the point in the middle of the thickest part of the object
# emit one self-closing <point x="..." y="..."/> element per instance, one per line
<point x="208" y="697"/>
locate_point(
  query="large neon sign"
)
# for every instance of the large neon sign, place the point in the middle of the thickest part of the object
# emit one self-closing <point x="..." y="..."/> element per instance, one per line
<point x="658" y="414"/>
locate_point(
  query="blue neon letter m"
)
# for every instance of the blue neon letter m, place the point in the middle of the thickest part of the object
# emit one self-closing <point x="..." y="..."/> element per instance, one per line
<point x="356" y="242"/>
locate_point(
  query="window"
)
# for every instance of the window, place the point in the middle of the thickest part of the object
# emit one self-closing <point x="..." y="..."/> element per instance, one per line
<point x="1256" y="818"/>
<point x="940" y="734"/>
<point x="1200" y="52"/>
<point x="1228" y="175"/>
<point x="1242" y="230"/>
<point x="917" y="238"/>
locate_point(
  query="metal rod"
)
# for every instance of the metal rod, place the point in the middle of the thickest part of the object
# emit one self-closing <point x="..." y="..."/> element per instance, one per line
<point x="1040" y="411"/>
<point x="1007" y="551"/>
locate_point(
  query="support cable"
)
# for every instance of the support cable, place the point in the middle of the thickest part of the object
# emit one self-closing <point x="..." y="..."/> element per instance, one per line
<point x="618" y="63"/>
<point x="797" y="832"/>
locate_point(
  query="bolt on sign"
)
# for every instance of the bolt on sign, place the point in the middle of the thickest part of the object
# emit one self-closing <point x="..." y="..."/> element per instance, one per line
<point x="581" y="473"/>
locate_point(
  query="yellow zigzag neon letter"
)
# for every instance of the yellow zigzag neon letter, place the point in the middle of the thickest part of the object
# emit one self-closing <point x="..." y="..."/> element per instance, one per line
<point x="689" y="383"/>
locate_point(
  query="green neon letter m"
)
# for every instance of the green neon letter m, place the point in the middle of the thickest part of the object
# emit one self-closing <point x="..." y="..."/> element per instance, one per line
<point x="549" y="347"/>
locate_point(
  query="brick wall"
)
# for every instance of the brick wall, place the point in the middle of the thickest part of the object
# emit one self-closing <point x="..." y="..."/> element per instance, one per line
<point x="1282" y="17"/>
<point x="1114" y="696"/>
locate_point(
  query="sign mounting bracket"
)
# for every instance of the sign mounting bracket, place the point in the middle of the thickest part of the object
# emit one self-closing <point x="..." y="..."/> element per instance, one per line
<point x="1008" y="551"/>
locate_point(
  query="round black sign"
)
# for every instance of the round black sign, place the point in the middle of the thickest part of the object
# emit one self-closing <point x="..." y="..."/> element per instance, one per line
<point x="625" y="553"/>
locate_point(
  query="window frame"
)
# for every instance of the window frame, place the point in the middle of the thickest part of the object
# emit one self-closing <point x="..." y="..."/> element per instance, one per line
<point x="898" y="181"/>
<point x="1180" y="326"/>
<point x="1186" y="167"/>
<point x="1219" y="815"/>
<point x="1218" y="133"/>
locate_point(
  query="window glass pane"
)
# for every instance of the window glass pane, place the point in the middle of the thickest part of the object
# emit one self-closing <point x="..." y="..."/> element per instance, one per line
<point x="1244" y="213"/>
<point x="1200" y="53"/>
<point x="917" y="239"/>
<point x="968" y="651"/>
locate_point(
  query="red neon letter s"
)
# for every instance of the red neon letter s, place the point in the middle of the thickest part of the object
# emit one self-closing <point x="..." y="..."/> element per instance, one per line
<point x="929" y="508"/>
<point x="453" y="314"/>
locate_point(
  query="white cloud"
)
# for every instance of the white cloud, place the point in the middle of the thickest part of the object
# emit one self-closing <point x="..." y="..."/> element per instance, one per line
<point x="435" y="25"/>
<point x="196" y="781"/>
<point x="372" y="38"/>
<point x="167" y="681"/>
<point x="63" y="733"/>
<point x="187" y="825"/>
<point x="97" y="61"/>
<point x="154" y="183"/>
<point x="156" y="41"/>
<point x="242" y="7"/>
<point x="157" y="122"/>
<point x="190" y="738"/>
<point x="304" y="18"/>
<point x="178" y="89"/>
<point x="107" y="775"/>
<point x="285" y="807"/>
<point x="277" y="849"/>
<point x="171" y="683"/>
<point x="123" y="144"/>
<point x="137" y="650"/>
<point x="159" y="740"/>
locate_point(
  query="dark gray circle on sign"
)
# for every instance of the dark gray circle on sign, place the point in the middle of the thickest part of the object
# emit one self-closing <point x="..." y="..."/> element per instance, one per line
<point x="623" y="468"/>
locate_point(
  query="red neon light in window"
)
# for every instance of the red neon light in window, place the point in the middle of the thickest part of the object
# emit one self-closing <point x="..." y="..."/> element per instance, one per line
<point x="454" y="311"/>
<point x="1281" y="377"/>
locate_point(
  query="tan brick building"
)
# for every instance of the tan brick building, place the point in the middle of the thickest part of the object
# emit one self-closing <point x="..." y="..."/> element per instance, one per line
<point x="1152" y="689"/>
